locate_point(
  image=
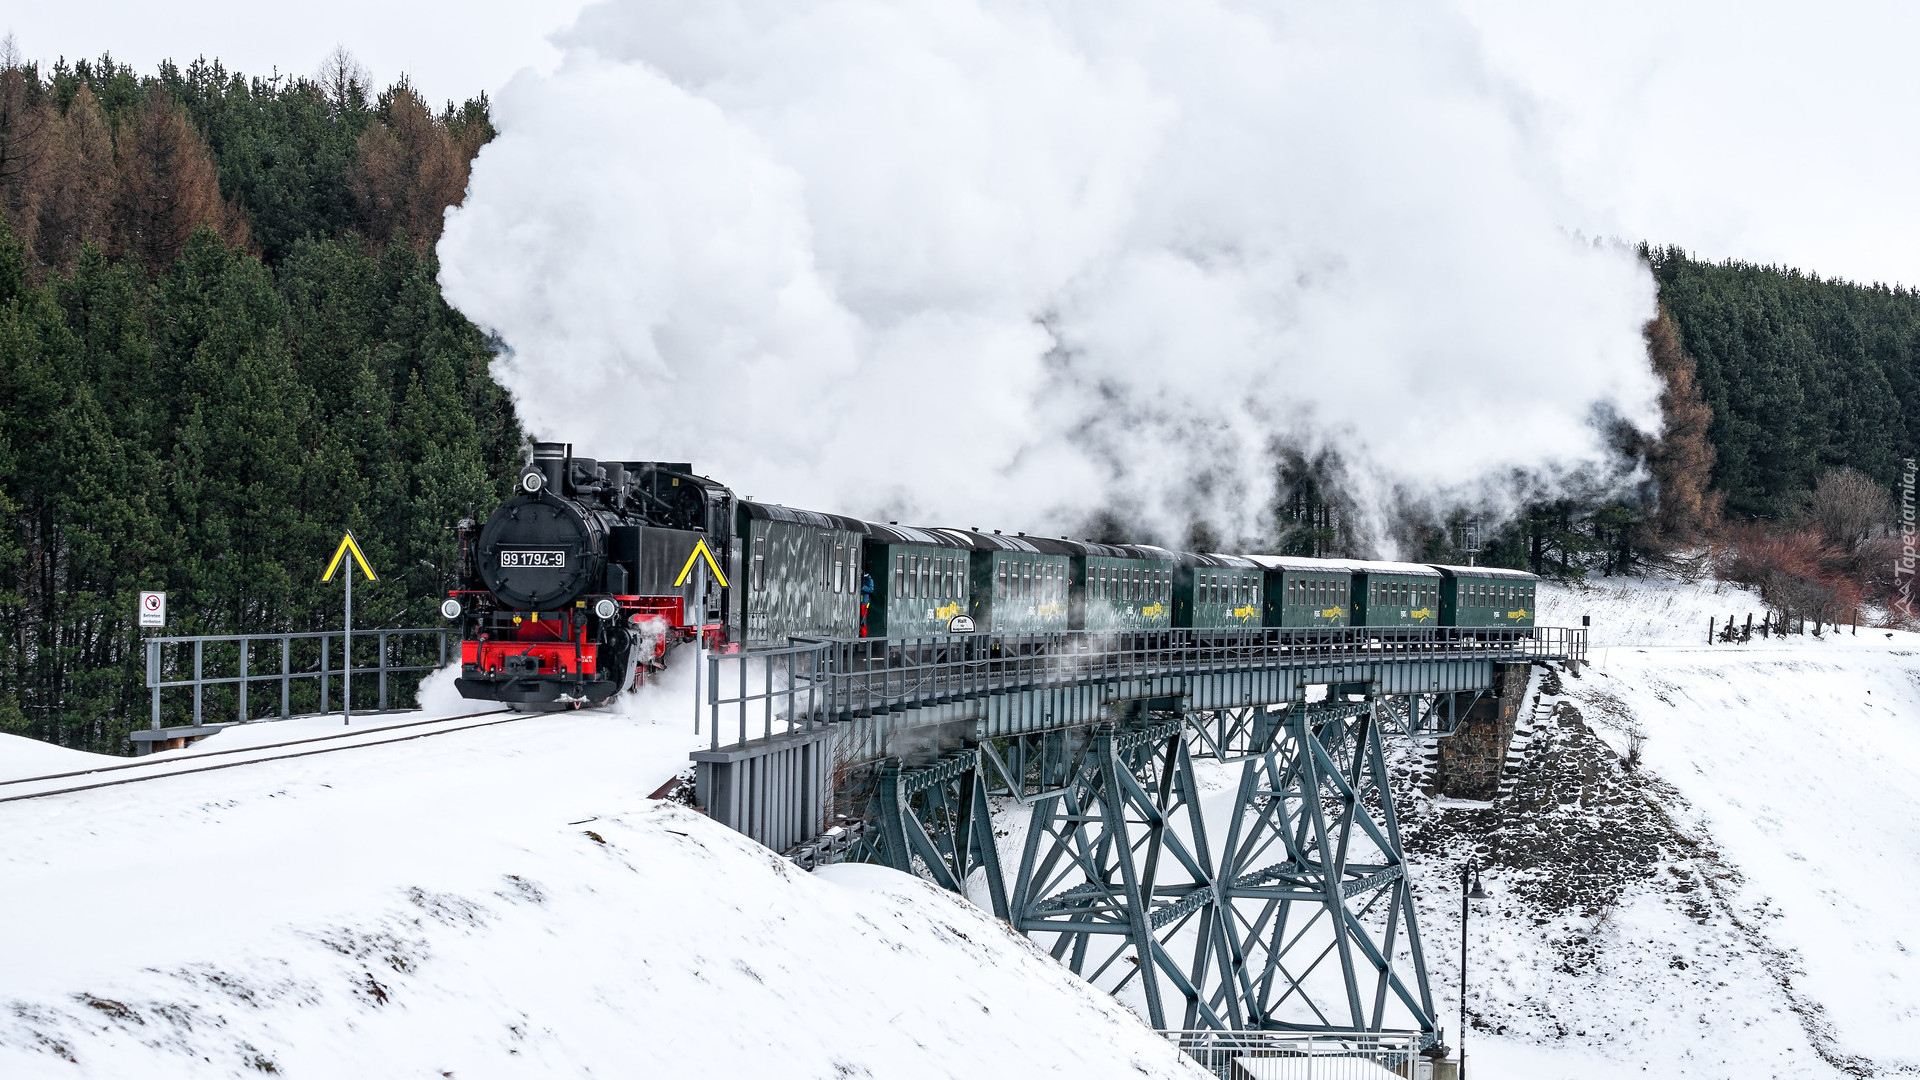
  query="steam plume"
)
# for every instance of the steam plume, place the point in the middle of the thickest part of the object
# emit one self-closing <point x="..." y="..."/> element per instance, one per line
<point x="1010" y="262"/>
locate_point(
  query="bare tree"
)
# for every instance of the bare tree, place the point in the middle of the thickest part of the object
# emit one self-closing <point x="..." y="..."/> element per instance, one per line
<point x="344" y="80"/>
<point x="1847" y="508"/>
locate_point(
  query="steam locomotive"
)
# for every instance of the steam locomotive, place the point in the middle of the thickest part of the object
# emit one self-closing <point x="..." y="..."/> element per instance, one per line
<point x="583" y="582"/>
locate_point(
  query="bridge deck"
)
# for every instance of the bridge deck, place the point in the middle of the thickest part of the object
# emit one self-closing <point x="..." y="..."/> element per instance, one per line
<point x="997" y="685"/>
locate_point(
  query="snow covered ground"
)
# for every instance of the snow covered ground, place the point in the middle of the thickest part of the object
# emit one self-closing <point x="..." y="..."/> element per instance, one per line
<point x="1769" y="928"/>
<point x="499" y="902"/>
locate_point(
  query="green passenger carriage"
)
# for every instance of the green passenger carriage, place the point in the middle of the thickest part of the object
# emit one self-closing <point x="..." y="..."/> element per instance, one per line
<point x="1304" y="592"/>
<point x="1211" y="591"/>
<point x="803" y="574"/>
<point x="1015" y="588"/>
<point x="921" y="581"/>
<point x="1487" y="596"/>
<point x="1114" y="587"/>
<point x="1396" y="594"/>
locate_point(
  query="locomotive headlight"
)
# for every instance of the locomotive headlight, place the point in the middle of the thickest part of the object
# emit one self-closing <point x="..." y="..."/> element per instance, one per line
<point x="605" y="608"/>
<point x="532" y="480"/>
<point x="450" y="608"/>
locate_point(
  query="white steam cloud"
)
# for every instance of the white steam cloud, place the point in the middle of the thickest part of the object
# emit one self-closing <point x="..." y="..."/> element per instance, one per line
<point x="1008" y="262"/>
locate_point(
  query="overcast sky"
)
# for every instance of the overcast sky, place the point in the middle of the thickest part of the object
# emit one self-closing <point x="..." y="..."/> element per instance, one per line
<point x="1768" y="131"/>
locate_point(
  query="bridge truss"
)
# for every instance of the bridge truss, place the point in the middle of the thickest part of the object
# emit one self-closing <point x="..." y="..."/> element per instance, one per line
<point x="1281" y="903"/>
<point x="1193" y="834"/>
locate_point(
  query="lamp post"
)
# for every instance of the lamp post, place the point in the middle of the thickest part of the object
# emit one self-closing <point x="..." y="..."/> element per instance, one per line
<point x="1469" y="871"/>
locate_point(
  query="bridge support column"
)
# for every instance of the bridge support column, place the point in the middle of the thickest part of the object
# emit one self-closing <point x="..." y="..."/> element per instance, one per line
<point x="934" y="819"/>
<point x="1471" y="760"/>
<point x="1296" y="921"/>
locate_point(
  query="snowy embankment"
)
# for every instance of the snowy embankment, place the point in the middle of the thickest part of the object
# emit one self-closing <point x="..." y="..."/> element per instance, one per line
<point x="1737" y="905"/>
<point x="505" y="901"/>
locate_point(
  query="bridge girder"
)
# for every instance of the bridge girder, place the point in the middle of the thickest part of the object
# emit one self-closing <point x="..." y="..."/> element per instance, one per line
<point x="1294" y="920"/>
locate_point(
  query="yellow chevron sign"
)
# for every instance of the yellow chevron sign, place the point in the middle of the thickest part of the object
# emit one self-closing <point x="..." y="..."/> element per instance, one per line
<point x="700" y="548"/>
<point x="347" y="543"/>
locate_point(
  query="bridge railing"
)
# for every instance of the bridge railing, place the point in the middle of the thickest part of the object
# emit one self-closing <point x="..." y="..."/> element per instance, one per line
<point x="815" y="681"/>
<point x="1341" y="1055"/>
<point x="231" y="665"/>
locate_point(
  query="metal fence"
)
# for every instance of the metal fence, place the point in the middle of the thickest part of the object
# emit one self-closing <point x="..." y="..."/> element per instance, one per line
<point x="811" y="682"/>
<point x="1286" y="1055"/>
<point x="234" y="661"/>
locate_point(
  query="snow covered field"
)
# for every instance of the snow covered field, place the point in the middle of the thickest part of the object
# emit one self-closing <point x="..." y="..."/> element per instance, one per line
<point x="1772" y="932"/>
<point x="500" y="902"/>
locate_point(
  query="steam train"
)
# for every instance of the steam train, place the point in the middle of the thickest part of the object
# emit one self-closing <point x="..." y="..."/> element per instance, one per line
<point x="583" y="582"/>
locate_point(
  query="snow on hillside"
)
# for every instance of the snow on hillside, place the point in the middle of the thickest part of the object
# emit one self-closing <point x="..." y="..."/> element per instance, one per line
<point x="1739" y="904"/>
<point x="499" y="902"/>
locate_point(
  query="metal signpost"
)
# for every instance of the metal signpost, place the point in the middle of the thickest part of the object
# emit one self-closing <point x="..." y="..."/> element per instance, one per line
<point x="696" y="565"/>
<point x="347" y="543"/>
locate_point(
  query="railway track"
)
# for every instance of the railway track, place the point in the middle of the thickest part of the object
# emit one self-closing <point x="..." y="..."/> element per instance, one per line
<point x="251" y="755"/>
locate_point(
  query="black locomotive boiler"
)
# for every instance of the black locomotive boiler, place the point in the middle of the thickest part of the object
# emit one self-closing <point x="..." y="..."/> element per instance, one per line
<point x="584" y="580"/>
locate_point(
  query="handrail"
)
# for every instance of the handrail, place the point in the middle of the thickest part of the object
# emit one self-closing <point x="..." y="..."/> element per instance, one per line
<point x="1313" y="1054"/>
<point x="842" y="678"/>
<point x="244" y="678"/>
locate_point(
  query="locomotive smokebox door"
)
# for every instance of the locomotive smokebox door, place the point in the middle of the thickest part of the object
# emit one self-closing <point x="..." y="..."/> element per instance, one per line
<point x="536" y="555"/>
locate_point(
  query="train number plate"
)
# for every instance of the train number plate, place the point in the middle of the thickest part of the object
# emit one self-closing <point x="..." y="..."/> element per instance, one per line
<point x="522" y="560"/>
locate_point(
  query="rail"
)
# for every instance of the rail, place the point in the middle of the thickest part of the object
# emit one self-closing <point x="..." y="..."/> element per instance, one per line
<point x="818" y="681"/>
<point x="161" y="651"/>
<point x="1293" y="1055"/>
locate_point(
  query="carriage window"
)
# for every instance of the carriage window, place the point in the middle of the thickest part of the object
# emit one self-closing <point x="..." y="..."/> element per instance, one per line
<point x="760" y="563"/>
<point x="1000" y="581"/>
<point x="899" y="576"/>
<point x="926" y="575"/>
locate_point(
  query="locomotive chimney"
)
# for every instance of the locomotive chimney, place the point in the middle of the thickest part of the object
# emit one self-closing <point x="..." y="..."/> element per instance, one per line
<point x="551" y="459"/>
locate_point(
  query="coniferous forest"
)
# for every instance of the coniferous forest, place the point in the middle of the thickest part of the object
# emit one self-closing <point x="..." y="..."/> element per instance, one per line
<point x="222" y="343"/>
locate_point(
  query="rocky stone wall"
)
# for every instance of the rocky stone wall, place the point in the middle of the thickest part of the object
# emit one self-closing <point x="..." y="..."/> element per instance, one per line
<point x="1470" y="760"/>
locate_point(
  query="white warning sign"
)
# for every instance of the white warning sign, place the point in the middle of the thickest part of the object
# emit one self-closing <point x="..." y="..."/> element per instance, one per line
<point x="153" y="609"/>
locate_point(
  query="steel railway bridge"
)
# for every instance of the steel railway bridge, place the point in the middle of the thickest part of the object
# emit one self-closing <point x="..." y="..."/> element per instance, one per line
<point x="1203" y="817"/>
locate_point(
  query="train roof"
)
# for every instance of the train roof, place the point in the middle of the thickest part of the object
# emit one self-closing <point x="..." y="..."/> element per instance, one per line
<point x="1081" y="548"/>
<point x="909" y="534"/>
<point x="813" y="518"/>
<point x="1150" y="552"/>
<point x="976" y="540"/>
<point x="1407" y="569"/>
<point x="1486" y="571"/>
<point x="1305" y="566"/>
<point x="1216" y="559"/>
